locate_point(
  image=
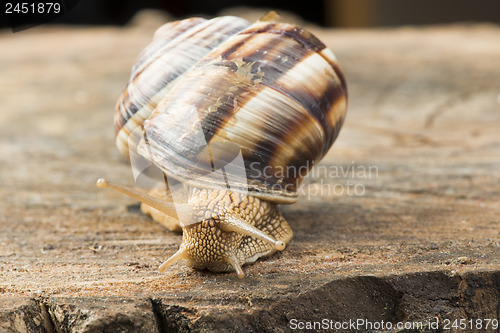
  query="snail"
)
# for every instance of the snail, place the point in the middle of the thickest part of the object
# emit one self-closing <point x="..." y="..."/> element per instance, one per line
<point x="232" y="115"/>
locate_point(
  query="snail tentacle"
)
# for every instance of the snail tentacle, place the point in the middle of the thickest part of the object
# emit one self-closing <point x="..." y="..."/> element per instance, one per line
<point x="234" y="224"/>
<point x="182" y="253"/>
<point x="166" y="207"/>
<point x="231" y="259"/>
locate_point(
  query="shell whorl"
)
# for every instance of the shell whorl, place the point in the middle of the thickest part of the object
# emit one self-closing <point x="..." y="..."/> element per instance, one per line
<point x="271" y="89"/>
<point x="176" y="47"/>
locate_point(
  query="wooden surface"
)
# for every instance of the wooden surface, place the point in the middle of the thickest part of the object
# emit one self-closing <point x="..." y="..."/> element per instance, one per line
<point x="416" y="238"/>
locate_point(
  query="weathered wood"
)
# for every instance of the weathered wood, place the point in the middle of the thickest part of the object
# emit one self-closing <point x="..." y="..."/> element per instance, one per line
<point x="417" y="236"/>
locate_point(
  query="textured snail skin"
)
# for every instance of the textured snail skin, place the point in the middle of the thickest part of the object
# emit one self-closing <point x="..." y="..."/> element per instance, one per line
<point x="208" y="245"/>
<point x="271" y="89"/>
<point x="211" y="206"/>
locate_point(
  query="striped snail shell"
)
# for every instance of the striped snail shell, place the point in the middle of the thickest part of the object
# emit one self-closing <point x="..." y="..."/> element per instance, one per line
<point x="202" y="87"/>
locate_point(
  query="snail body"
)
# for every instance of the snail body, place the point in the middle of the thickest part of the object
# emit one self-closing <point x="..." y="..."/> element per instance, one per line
<point x="207" y="93"/>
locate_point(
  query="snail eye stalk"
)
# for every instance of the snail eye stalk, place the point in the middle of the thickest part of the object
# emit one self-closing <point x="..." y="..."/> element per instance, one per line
<point x="166" y="207"/>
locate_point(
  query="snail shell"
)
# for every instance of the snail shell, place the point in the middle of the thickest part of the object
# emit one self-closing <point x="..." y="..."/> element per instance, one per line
<point x="272" y="90"/>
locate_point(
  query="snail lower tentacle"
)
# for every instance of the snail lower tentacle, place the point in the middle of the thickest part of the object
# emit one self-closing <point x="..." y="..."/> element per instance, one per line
<point x="182" y="253"/>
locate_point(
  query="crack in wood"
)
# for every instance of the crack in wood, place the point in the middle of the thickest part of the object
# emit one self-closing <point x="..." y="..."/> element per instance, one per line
<point x="448" y="104"/>
<point x="47" y="322"/>
<point x="158" y="313"/>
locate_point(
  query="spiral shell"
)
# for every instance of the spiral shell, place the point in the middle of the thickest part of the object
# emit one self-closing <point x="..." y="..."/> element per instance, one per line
<point x="273" y="90"/>
<point x="176" y="47"/>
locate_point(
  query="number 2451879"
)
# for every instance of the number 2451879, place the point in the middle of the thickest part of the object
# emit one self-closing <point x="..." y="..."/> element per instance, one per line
<point x="470" y="324"/>
<point x="32" y="8"/>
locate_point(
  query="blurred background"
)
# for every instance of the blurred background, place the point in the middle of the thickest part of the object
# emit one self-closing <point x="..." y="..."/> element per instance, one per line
<point x="327" y="13"/>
